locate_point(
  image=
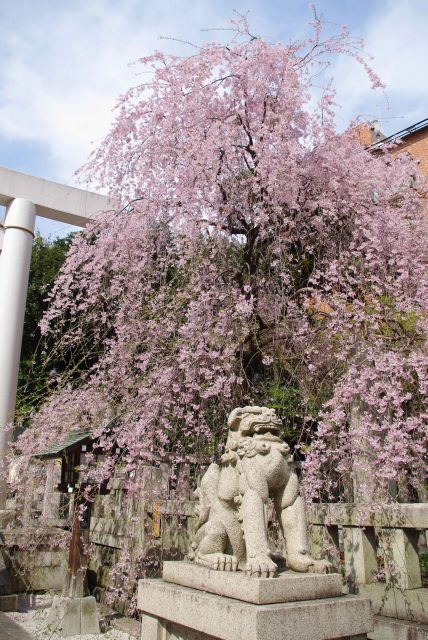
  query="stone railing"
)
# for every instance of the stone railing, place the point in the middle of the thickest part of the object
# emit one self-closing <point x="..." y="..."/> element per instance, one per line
<point x="379" y="555"/>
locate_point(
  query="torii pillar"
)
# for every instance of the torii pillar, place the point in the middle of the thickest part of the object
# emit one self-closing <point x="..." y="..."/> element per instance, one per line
<point x="25" y="197"/>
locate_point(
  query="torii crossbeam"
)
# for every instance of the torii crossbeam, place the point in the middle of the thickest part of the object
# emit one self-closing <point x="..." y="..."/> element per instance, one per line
<point x="26" y="197"/>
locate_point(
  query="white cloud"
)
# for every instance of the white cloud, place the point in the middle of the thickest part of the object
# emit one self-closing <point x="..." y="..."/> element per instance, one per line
<point x="397" y="38"/>
<point x="62" y="68"/>
<point x="63" y="63"/>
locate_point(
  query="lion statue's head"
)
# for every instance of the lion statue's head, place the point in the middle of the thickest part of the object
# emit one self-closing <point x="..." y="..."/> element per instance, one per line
<point x="249" y="421"/>
<point x="252" y="424"/>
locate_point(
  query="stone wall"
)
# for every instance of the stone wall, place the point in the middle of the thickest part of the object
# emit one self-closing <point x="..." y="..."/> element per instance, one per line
<point x="148" y="527"/>
<point x="36" y="558"/>
<point x="157" y="523"/>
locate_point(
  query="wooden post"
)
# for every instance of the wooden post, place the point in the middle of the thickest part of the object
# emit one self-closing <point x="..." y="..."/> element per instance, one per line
<point x="76" y="584"/>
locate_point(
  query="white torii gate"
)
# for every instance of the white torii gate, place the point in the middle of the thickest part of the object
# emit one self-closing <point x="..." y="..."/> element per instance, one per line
<point x="25" y="197"/>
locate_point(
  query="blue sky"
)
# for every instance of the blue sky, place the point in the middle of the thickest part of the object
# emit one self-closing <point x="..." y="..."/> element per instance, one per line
<point x="64" y="62"/>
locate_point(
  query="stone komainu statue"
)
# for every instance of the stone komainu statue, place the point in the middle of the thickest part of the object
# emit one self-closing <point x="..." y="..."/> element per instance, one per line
<point x="232" y="528"/>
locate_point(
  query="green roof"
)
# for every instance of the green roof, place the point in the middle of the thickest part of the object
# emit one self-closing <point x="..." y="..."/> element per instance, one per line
<point x="71" y="442"/>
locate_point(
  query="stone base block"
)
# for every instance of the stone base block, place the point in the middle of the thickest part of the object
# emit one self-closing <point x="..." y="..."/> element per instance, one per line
<point x="9" y="602"/>
<point x="174" y="611"/>
<point x="73" y="616"/>
<point x="153" y="628"/>
<point x="288" y="586"/>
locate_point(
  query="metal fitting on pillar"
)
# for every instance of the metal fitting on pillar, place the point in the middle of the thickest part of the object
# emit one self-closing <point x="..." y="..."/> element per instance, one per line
<point x="21" y="215"/>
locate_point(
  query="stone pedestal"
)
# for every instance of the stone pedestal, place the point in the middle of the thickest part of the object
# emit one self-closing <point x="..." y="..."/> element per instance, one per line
<point x="192" y="602"/>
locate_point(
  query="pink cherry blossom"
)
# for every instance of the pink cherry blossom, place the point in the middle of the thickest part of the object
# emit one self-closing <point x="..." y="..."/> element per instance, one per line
<point x="252" y="245"/>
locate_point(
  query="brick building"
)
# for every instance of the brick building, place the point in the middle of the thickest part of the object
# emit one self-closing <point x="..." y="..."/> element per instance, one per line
<point x="413" y="140"/>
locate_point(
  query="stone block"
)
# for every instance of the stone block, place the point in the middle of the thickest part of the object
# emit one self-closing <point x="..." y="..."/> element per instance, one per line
<point x="89" y="622"/>
<point x="115" y="483"/>
<point x="34" y="601"/>
<point x="45" y="578"/>
<point x="164" y="630"/>
<point x="64" y="616"/>
<point x="324" y="543"/>
<point x="9" y="602"/>
<point x="73" y="616"/>
<point x="359" y="547"/>
<point x="288" y="586"/>
<point x="58" y="558"/>
<point x="347" y="514"/>
<point x="70" y="618"/>
<point x="390" y="629"/>
<point x="401" y="559"/>
<point x="151" y="628"/>
<point x="409" y="604"/>
<point x="5" y="581"/>
<point x="155" y="629"/>
<point x="230" y="619"/>
<point x="6" y="517"/>
<point x="108" y="540"/>
<point x="127" y="625"/>
<point x="40" y="570"/>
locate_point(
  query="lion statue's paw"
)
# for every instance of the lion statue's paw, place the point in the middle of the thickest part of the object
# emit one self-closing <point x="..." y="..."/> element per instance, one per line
<point x="218" y="561"/>
<point x="261" y="567"/>
<point x="321" y="566"/>
<point x="303" y="562"/>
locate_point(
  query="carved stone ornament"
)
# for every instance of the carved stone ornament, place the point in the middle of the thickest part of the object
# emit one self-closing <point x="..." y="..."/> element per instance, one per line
<point x="232" y="529"/>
